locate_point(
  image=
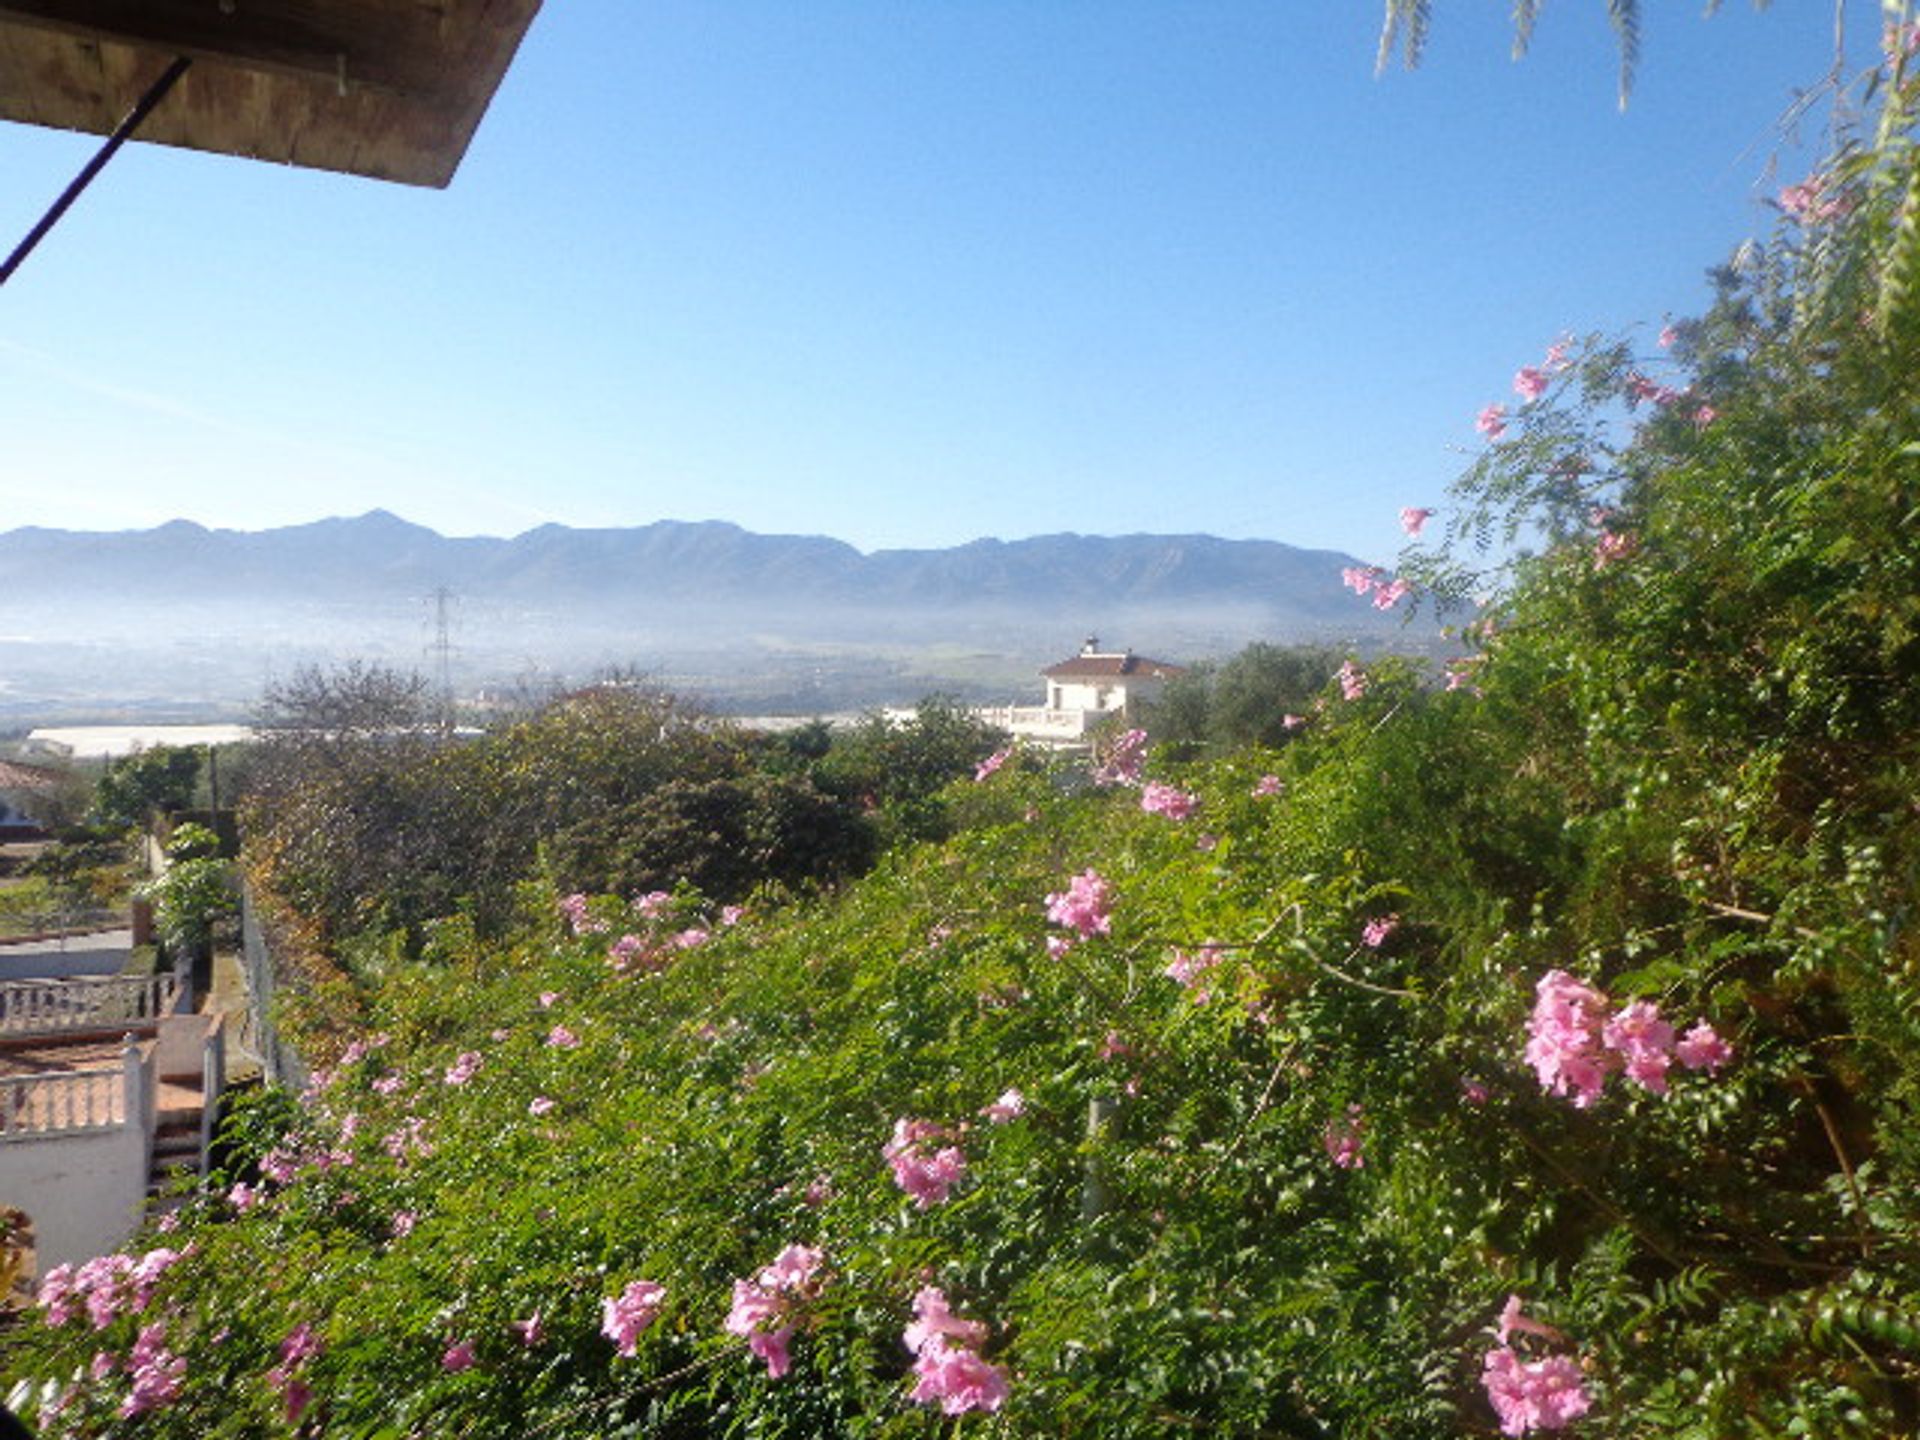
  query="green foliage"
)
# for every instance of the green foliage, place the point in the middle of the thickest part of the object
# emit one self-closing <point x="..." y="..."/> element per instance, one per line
<point x="146" y="783"/>
<point x="896" y="768"/>
<point x="1242" y="702"/>
<point x="1683" y="772"/>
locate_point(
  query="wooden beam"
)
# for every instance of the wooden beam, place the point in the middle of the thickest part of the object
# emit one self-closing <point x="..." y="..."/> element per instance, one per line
<point x="376" y="45"/>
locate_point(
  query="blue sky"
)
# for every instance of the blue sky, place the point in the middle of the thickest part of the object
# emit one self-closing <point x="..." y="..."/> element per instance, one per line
<point x="906" y="272"/>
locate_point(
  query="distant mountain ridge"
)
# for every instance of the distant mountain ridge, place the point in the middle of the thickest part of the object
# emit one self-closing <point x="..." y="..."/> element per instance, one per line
<point x="180" y="614"/>
<point x="702" y="562"/>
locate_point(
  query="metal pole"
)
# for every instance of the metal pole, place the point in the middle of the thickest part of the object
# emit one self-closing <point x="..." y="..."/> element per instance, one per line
<point x="155" y="94"/>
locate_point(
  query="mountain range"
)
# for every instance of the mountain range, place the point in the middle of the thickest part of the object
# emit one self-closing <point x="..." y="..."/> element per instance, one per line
<point x="736" y="612"/>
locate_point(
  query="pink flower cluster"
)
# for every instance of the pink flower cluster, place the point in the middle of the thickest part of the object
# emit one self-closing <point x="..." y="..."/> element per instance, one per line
<point x="923" y="1167"/>
<point x="763" y="1306"/>
<point x="948" y="1367"/>
<point x="579" y="920"/>
<point x="156" y="1371"/>
<point x="1010" y="1106"/>
<point x="1491" y="421"/>
<point x="1190" y="970"/>
<point x="1353" y="680"/>
<point x="1375" y="932"/>
<point x="1413" y="519"/>
<point x="1812" y="201"/>
<point x="1175" y="804"/>
<point x="1574" y="1045"/>
<point x="1530" y="382"/>
<point x="106" y="1286"/>
<point x="300" y="1346"/>
<point x="1125" y="758"/>
<point x="465" y="1066"/>
<point x="1085" y="906"/>
<point x="1371" y="579"/>
<point x="1341" y="1139"/>
<point x="1545" y="1394"/>
<point x="992" y="763"/>
<point x="1268" y="785"/>
<point x="1613" y="546"/>
<point x="625" y="1316"/>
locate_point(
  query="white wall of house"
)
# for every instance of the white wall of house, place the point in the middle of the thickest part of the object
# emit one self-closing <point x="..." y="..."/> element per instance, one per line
<point x="83" y="1189"/>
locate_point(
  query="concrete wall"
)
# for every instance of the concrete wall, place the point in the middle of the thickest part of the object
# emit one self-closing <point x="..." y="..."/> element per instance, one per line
<point x="181" y="1046"/>
<point x="50" y="960"/>
<point x="84" y="1191"/>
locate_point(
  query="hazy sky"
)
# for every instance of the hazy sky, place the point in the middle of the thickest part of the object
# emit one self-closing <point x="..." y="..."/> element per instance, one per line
<point x="906" y="272"/>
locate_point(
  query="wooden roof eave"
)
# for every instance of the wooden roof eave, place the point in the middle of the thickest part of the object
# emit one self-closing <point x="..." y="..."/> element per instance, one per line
<point x="363" y="87"/>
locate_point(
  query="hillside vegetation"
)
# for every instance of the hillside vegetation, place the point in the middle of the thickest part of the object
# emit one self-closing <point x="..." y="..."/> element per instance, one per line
<point x="1533" y="1050"/>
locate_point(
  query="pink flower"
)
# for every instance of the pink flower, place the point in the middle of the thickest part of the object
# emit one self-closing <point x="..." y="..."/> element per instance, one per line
<point x="547" y="998"/>
<point x="924" y="1172"/>
<point x="1529" y="382"/>
<point x="1512" y="1322"/>
<point x="295" y="1398"/>
<point x="1413" y="519"/>
<point x="299" y="1345"/>
<point x="730" y="915"/>
<point x="1353" y="680"/>
<point x="1701" y="1048"/>
<point x="1114" y="1046"/>
<point x="1459" y="675"/>
<point x="624" y="951"/>
<point x="1084" y="906"/>
<point x="561" y="1038"/>
<point x="762" y="1307"/>
<point x="1809" y="202"/>
<point x="1058" y="945"/>
<point x="1547" y="1394"/>
<point x="1611" y="547"/>
<point x="1667" y="336"/>
<point x="459" y="1356"/>
<point x="1341" y="1139"/>
<point x="992" y="763"/>
<point x="935" y="1323"/>
<point x="1374" y="934"/>
<point x="1385" y="597"/>
<point x="1293" y="722"/>
<point x="1474" y="1092"/>
<point x="1645" y="1040"/>
<point x="1010" y="1106"/>
<point x="691" y="939"/>
<point x="652" y="903"/>
<point x="1359" y="579"/>
<point x="540" y="1105"/>
<point x="959" y="1379"/>
<point x="389" y="1082"/>
<point x="1269" y="784"/>
<point x="949" y="1368"/>
<point x="1564" y="1038"/>
<point x="792" y="1269"/>
<point x="243" y="1196"/>
<point x="1556" y="359"/>
<point x="625" y="1316"/>
<point x="530" y="1330"/>
<point x="463" y="1068"/>
<point x="1492" y="421"/>
<point x="1125" y="758"/>
<point x="574" y="908"/>
<point x="1158" y="799"/>
<point x="403" y="1223"/>
<point x="1705" y="416"/>
<point x="819" y="1190"/>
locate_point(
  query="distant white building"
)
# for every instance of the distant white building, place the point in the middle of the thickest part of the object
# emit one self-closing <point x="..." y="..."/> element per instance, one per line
<point x="1084" y="690"/>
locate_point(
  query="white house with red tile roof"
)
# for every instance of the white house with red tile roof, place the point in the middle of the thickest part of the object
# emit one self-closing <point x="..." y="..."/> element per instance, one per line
<point x="1082" y="691"/>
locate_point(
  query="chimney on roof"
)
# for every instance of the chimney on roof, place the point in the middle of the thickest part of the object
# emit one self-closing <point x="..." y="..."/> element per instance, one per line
<point x="1092" y="645"/>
